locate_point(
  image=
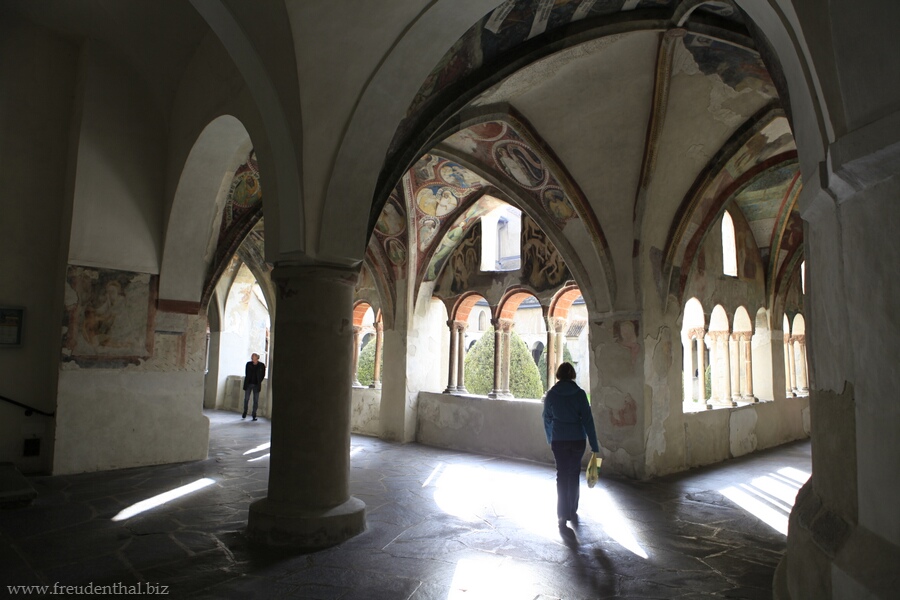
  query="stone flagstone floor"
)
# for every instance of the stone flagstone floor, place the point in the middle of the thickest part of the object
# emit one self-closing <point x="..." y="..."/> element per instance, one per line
<point x="441" y="525"/>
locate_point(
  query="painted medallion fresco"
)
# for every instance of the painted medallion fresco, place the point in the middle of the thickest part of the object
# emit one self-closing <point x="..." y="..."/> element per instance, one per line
<point x="500" y="147"/>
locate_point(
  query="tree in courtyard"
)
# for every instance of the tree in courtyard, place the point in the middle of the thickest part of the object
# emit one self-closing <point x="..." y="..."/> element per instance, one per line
<point x="524" y="379"/>
<point x="365" y="371"/>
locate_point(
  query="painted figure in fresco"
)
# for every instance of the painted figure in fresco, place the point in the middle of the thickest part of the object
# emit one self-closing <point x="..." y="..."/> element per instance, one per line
<point x="567" y="422"/>
<point x="390" y="221"/>
<point x="428" y="227"/>
<point x="520" y="163"/>
<point x="558" y="205"/>
<point x="458" y="176"/>
<point x="437" y="201"/>
<point x="97" y="325"/>
<point x="254" y="373"/>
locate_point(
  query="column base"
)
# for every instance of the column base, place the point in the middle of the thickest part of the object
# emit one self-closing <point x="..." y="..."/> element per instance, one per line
<point x="450" y="389"/>
<point x="285" y="526"/>
<point x="461" y="390"/>
<point x="500" y="396"/>
<point x="750" y="399"/>
<point x="376" y="385"/>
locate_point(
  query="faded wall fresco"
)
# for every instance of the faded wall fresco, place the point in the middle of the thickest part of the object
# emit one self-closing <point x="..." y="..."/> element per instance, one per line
<point x="108" y="315"/>
<point x="111" y="321"/>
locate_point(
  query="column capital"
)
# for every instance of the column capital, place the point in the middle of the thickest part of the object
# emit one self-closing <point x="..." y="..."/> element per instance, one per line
<point x="697" y="333"/>
<point x="505" y="325"/>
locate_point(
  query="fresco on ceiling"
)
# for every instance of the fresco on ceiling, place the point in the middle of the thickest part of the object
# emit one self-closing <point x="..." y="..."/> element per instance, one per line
<point x="789" y="242"/>
<point x="740" y="69"/>
<point x="514" y="22"/>
<point x="761" y="201"/>
<point x="772" y="140"/>
<point x="108" y="315"/>
<point x="543" y="266"/>
<point x="438" y="188"/>
<point x="390" y="232"/>
<point x="507" y="26"/>
<point x="244" y="193"/>
<point x="455" y="235"/>
<point x="500" y="147"/>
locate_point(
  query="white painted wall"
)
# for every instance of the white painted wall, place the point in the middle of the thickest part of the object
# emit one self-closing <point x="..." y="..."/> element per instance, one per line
<point x="119" y="418"/>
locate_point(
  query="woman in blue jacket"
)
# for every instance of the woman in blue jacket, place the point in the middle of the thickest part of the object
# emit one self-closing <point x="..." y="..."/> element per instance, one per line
<point x="567" y="421"/>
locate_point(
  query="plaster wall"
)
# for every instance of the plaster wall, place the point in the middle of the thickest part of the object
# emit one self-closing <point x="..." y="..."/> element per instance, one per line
<point x="113" y="419"/>
<point x="36" y="122"/>
<point x="512" y="428"/>
<point x="117" y="220"/>
<point x="365" y="408"/>
<point x="714" y="436"/>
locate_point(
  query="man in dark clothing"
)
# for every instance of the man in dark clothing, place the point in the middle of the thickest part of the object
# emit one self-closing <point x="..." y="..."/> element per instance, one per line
<point x="254" y="374"/>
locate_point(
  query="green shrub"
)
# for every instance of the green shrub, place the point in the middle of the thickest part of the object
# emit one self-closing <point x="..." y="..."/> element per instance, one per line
<point x="707" y="380"/>
<point x="365" y="370"/>
<point x="542" y="363"/>
<point x="524" y="379"/>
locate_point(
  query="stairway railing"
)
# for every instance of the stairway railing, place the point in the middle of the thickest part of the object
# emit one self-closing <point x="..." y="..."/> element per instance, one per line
<point x="29" y="410"/>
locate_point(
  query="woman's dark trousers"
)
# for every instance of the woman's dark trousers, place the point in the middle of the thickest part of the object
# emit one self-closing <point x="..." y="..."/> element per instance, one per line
<point x="568" y="455"/>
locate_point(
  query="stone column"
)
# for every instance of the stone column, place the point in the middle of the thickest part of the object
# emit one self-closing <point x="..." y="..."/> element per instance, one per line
<point x="379" y="341"/>
<point x="727" y="398"/>
<point x="461" y="360"/>
<point x="714" y="366"/>
<point x="551" y="353"/>
<point x="498" y="351"/>
<point x="748" y="368"/>
<point x="355" y="367"/>
<point x="502" y="328"/>
<point x="788" y="390"/>
<point x="308" y="504"/>
<point x="701" y="365"/>
<point x="734" y="342"/>
<point x="506" y="325"/>
<point x="556" y="327"/>
<point x="802" y="373"/>
<point x="793" y="366"/>
<point x="452" y="358"/>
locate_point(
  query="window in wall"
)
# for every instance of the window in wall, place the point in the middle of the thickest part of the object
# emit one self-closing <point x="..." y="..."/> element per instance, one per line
<point x="729" y="246"/>
<point x="803" y="276"/>
<point x="482" y="321"/>
<point x="501" y="230"/>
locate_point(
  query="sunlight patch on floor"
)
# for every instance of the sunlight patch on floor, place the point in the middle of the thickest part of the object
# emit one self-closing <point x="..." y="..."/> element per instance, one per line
<point x="491" y="578"/>
<point x="160" y="499"/>
<point x="769" y="498"/>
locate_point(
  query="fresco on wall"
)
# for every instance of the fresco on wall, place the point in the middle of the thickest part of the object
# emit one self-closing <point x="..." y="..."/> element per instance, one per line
<point x="109" y="314"/>
<point x="466" y="261"/>
<point x="543" y="266"/>
<point x="626" y="335"/>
